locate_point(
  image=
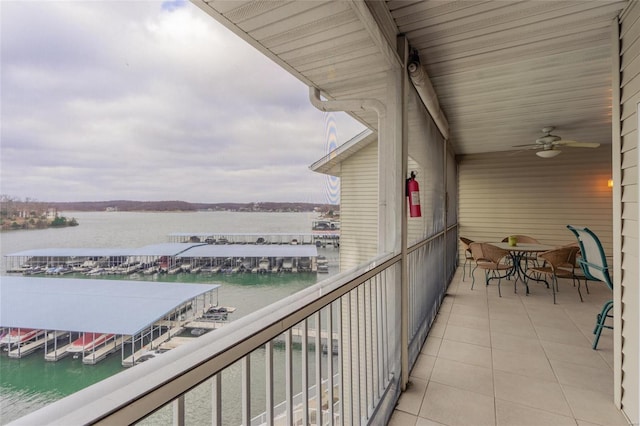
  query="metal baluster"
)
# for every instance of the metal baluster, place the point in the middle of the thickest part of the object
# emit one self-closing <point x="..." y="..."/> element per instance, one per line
<point x="366" y="338"/>
<point x="350" y="355"/>
<point x="330" y="363"/>
<point x="216" y="399"/>
<point x="371" y="347"/>
<point x="357" y="357"/>
<point x="380" y="332"/>
<point x="246" y="389"/>
<point x="340" y="360"/>
<point x="318" y="349"/>
<point x="385" y="332"/>
<point x="268" y="360"/>
<point x="305" y="374"/>
<point x="288" y="372"/>
<point x="178" y="411"/>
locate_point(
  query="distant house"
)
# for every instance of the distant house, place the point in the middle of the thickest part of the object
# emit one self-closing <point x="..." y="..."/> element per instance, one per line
<point x="51" y="213"/>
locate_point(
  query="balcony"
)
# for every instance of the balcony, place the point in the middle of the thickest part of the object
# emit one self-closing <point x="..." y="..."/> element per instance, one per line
<point x="514" y="359"/>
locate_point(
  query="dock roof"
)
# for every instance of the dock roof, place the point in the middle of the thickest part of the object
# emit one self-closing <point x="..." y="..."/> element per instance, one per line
<point x="72" y="252"/>
<point x="252" y="250"/>
<point x="162" y="249"/>
<point x="101" y="306"/>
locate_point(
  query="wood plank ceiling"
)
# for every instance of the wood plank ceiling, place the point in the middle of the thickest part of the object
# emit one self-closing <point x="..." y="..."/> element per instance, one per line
<point x="502" y="70"/>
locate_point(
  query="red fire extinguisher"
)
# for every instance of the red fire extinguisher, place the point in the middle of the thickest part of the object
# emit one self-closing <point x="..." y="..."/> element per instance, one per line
<point x="413" y="195"/>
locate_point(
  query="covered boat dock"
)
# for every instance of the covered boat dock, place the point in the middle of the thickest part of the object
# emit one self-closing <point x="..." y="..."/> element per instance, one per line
<point x="171" y="258"/>
<point x="319" y="238"/>
<point x="253" y="258"/>
<point x="132" y="316"/>
<point x="93" y="261"/>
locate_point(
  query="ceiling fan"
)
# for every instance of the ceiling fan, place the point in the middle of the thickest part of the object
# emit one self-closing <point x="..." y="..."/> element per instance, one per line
<point x="548" y="145"/>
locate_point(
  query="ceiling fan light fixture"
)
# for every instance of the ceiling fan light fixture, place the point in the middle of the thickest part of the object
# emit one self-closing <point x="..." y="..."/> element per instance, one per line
<point x="548" y="153"/>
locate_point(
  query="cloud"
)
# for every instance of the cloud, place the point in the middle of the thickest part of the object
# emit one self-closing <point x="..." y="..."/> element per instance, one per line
<point x="150" y="101"/>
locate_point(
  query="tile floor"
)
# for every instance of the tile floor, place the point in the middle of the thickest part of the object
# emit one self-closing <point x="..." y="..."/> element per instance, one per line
<point x="513" y="360"/>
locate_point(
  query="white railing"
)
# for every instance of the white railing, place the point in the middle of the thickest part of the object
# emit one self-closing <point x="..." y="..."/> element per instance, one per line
<point x="265" y="366"/>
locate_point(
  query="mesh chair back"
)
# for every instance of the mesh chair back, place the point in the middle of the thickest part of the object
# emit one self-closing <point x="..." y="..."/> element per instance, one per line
<point x="476" y="251"/>
<point x="465" y="244"/>
<point x="593" y="260"/>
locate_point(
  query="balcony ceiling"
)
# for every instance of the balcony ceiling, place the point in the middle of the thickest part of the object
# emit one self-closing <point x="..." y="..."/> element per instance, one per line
<point x="502" y="70"/>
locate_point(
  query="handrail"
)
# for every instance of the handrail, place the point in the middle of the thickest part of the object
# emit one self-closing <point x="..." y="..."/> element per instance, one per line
<point x="131" y="395"/>
<point x="122" y="398"/>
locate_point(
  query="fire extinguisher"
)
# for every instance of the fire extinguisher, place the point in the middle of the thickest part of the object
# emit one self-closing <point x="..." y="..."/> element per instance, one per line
<point x="413" y="195"/>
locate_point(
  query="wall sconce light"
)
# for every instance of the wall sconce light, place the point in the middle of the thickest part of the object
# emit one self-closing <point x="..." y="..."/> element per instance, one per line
<point x="610" y="183"/>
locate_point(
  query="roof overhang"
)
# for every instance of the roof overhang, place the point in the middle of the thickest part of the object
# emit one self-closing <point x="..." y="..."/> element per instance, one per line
<point x="330" y="163"/>
<point x="501" y="70"/>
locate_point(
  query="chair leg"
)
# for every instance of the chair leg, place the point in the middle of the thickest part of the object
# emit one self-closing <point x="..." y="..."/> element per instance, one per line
<point x="554" y="285"/>
<point x="473" y="277"/>
<point x="579" y="292"/>
<point x="464" y="268"/>
<point x="600" y="323"/>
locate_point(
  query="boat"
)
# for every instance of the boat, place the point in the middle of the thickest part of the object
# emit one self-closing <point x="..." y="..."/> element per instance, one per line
<point x="96" y="271"/>
<point x="218" y="313"/>
<point x="151" y="270"/>
<point x="19" y="335"/>
<point x="264" y="266"/>
<point x="175" y="270"/>
<point x="240" y="266"/>
<point x="323" y="265"/>
<point x="325" y="225"/>
<point x="88" y="341"/>
<point x="34" y="270"/>
<point x="146" y="356"/>
<point x="304" y="264"/>
<point x="62" y="270"/>
<point x="287" y="265"/>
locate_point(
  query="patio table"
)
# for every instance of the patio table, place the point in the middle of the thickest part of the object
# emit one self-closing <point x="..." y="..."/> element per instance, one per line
<point x="517" y="252"/>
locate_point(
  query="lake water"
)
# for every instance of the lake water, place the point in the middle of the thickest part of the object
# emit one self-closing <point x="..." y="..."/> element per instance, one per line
<point x="29" y="383"/>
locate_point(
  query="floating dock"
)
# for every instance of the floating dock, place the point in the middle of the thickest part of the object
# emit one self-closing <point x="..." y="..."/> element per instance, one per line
<point x="96" y="355"/>
<point x="33" y="345"/>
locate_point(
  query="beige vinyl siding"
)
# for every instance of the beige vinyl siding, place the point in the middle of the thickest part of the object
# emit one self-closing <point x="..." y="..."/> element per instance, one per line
<point x="504" y="193"/>
<point x="628" y="280"/>
<point x="359" y="207"/>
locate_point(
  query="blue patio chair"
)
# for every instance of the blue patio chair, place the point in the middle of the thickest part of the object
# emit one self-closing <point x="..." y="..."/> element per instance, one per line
<point x="594" y="266"/>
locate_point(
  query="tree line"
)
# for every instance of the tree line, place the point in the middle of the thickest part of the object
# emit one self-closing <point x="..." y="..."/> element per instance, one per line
<point x="13" y="205"/>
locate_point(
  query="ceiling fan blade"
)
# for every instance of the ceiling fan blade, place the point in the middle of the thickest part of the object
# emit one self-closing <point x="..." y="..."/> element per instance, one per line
<point x="576" y="144"/>
<point x="516" y="152"/>
<point x="531" y="145"/>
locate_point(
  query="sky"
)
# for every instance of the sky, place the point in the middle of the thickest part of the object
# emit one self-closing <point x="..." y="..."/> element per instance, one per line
<point x="150" y="100"/>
